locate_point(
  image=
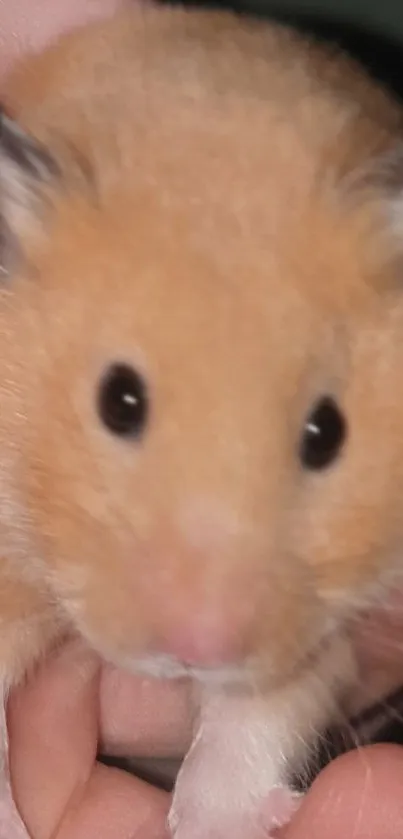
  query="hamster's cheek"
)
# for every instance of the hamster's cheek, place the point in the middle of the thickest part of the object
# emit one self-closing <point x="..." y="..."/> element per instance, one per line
<point x="102" y="606"/>
<point x="348" y="531"/>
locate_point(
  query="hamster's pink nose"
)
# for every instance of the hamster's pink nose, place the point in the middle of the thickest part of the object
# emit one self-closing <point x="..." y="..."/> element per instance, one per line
<point x="203" y="643"/>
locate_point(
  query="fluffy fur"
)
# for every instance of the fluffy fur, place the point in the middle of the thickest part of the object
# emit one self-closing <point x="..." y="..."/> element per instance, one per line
<point x="218" y="204"/>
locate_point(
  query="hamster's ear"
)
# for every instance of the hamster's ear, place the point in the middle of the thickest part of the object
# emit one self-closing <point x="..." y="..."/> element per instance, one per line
<point x="27" y="169"/>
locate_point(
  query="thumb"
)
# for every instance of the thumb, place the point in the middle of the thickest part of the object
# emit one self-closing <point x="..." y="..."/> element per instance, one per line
<point x="53" y="733"/>
<point x="358" y="795"/>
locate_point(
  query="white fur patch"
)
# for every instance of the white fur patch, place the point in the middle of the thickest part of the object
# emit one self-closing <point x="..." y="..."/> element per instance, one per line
<point x="234" y="780"/>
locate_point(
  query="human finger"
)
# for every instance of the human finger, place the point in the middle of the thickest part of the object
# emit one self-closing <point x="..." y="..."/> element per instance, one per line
<point x="53" y="729"/>
<point x="144" y="717"/>
<point x="359" y="795"/>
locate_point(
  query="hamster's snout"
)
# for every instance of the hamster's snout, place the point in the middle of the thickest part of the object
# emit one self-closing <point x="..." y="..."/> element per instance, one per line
<point x="209" y="639"/>
<point x="216" y="591"/>
<point x="217" y="598"/>
<point x="208" y="626"/>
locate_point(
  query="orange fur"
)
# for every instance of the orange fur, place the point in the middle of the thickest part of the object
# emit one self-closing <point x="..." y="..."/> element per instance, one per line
<point x="222" y="224"/>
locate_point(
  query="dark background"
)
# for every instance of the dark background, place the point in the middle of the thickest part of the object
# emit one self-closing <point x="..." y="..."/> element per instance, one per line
<point x="371" y="30"/>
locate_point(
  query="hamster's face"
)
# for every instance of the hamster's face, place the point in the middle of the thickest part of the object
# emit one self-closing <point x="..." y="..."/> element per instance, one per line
<point x="201" y="358"/>
<point x="209" y="433"/>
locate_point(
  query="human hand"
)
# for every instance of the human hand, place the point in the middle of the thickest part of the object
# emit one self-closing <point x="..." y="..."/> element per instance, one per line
<point x="56" y="723"/>
<point x="58" y="719"/>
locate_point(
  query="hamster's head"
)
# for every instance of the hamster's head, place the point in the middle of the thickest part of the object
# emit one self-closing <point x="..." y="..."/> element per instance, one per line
<point x="201" y="354"/>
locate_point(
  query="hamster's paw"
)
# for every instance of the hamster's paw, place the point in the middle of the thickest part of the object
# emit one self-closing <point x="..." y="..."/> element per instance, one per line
<point x="279" y="807"/>
<point x="233" y="781"/>
<point x="192" y="819"/>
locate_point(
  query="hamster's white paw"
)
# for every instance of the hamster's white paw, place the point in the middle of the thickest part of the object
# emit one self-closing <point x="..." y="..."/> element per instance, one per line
<point x="231" y="782"/>
<point x="192" y="820"/>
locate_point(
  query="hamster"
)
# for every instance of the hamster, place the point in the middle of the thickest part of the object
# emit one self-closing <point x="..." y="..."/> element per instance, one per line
<point x="201" y="352"/>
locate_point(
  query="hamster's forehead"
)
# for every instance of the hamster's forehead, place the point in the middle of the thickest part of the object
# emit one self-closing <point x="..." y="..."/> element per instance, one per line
<point x="188" y="286"/>
<point x="211" y="229"/>
<point x="214" y="216"/>
<point x="204" y="214"/>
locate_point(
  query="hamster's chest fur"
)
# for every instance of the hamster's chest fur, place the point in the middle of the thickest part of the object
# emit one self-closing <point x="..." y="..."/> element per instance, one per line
<point x="200" y="363"/>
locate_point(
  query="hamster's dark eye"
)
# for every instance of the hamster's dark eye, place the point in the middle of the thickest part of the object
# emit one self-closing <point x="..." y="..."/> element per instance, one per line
<point x="122" y="401"/>
<point x="323" y="435"/>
